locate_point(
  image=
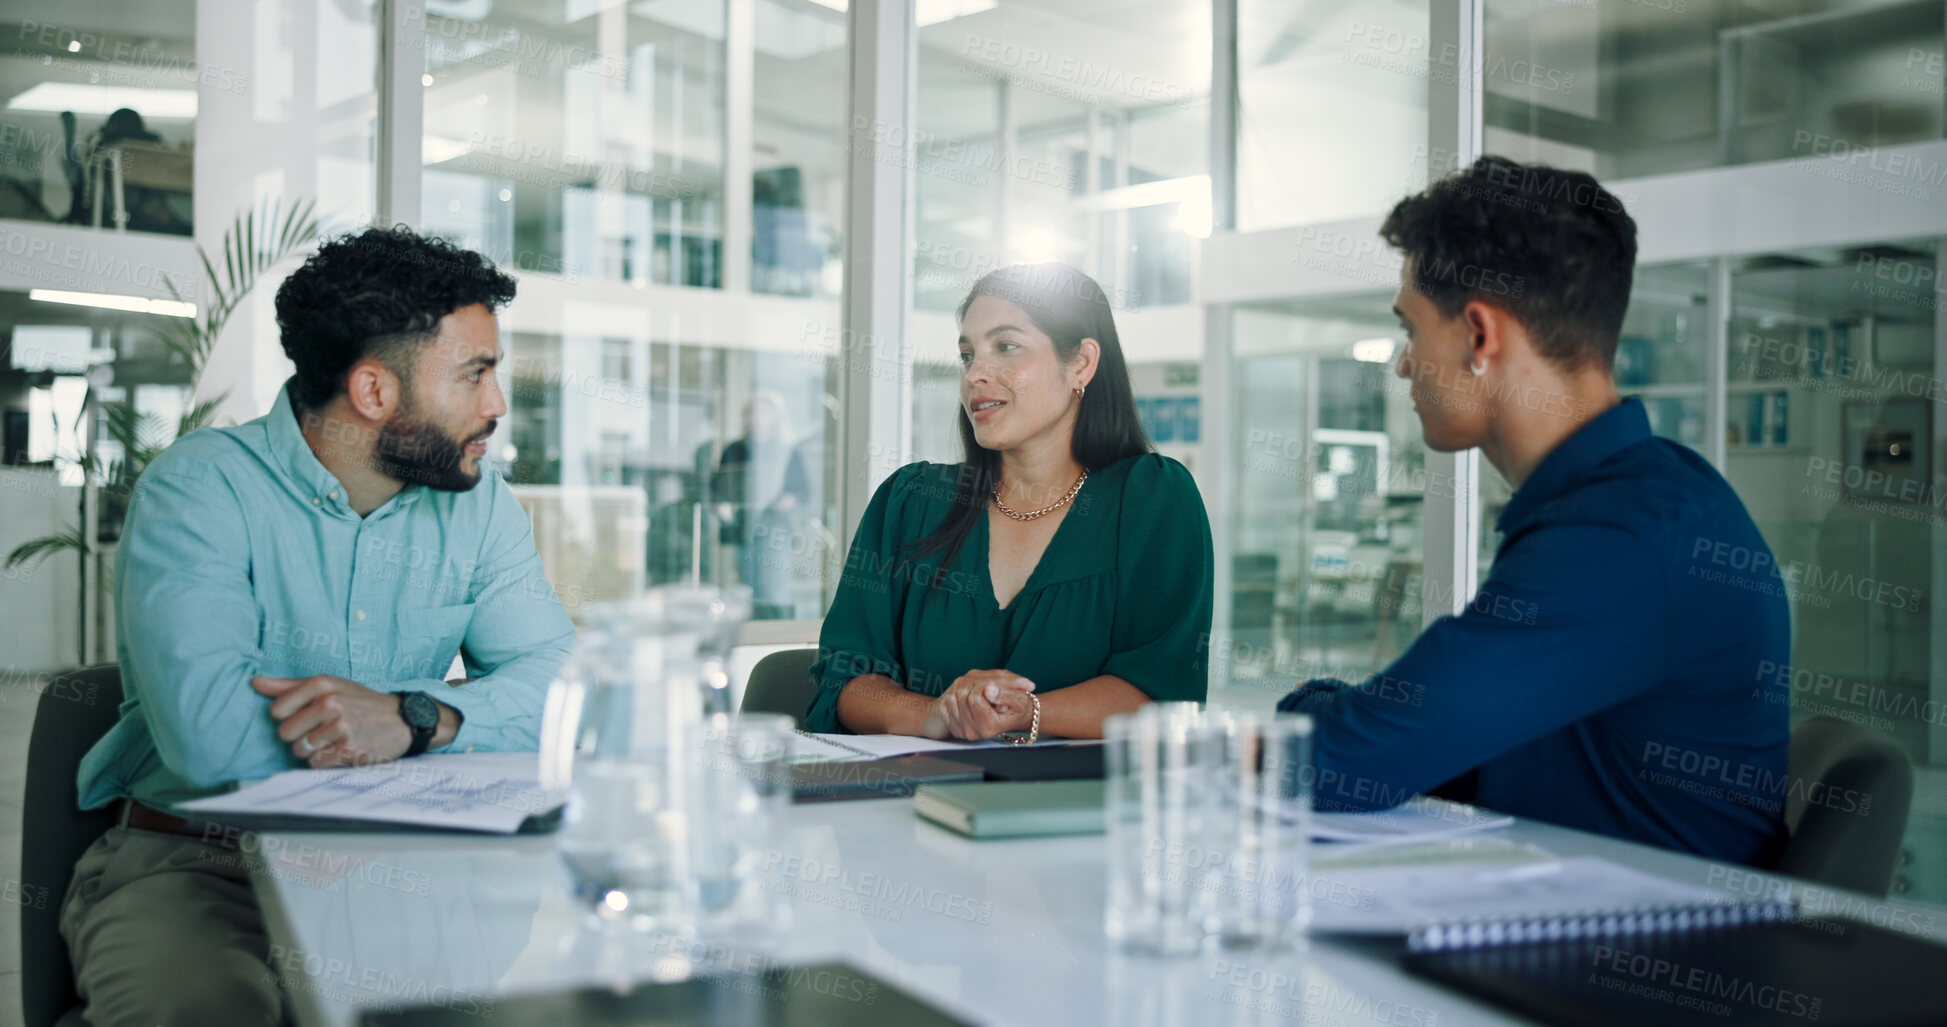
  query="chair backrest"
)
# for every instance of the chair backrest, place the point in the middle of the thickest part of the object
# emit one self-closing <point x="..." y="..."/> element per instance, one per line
<point x="1851" y="788"/>
<point x="75" y="710"/>
<point x="781" y="683"/>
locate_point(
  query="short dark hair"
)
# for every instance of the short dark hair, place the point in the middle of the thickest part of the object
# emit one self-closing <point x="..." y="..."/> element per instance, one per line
<point x="379" y="293"/>
<point x="1551" y="247"/>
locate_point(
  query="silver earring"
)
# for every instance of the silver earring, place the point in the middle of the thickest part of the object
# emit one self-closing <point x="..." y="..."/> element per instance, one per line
<point x="1079" y="393"/>
<point x="1479" y="367"/>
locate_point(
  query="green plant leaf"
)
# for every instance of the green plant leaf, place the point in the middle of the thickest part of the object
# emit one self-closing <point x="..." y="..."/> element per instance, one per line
<point x="41" y="548"/>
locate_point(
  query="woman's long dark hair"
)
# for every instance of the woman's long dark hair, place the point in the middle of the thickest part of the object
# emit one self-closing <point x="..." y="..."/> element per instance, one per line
<point x="1068" y="307"/>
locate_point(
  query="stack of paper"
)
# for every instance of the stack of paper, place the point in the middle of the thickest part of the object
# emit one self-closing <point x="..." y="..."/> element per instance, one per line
<point x="488" y="791"/>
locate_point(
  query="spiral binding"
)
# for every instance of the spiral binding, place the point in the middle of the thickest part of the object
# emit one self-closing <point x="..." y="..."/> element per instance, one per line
<point x="842" y="745"/>
<point x="1490" y="932"/>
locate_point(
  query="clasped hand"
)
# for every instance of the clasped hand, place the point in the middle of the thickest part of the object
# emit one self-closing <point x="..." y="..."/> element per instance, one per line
<point x="332" y="722"/>
<point x="981" y="704"/>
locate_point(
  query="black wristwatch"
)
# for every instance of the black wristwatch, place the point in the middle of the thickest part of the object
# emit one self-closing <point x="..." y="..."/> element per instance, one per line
<point x="421" y="714"/>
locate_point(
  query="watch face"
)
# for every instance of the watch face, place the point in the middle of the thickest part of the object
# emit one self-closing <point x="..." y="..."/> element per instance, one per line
<point x="419" y="711"/>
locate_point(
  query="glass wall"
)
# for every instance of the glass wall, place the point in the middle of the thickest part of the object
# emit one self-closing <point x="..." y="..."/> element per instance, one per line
<point x="658" y="430"/>
<point x="100" y="114"/>
<point x="1631" y="89"/>
<point x="798" y="149"/>
<point x="1331" y="120"/>
<point x="1829" y="438"/>
<point x="586" y="140"/>
<point x="1331" y="481"/>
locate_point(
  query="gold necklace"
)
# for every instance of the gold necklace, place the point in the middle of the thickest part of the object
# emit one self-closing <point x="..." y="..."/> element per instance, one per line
<point x="1046" y="510"/>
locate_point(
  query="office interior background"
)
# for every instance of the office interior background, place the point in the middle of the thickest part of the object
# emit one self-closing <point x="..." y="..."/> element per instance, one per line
<point x="741" y="228"/>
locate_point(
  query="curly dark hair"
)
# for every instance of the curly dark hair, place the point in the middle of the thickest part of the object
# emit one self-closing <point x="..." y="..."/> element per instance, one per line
<point x="1551" y="247"/>
<point x="379" y="293"/>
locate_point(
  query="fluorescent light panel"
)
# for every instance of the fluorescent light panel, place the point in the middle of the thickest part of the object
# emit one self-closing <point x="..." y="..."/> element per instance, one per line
<point x="81" y="98"/>
<point x="114" y="301"/>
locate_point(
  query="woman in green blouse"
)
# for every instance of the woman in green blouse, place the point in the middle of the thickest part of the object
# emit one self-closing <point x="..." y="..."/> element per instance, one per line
<point x="1060" y="574"/>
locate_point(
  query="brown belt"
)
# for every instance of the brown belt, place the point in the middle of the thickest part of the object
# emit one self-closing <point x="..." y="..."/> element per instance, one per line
<point x="145" y="818"/>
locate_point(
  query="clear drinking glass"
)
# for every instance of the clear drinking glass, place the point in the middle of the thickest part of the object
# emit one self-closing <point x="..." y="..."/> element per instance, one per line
<point x="618" y="726"/>
<point x="714" y="615"/>
<point x="1157" y="800"/>
<point x="1260" y="894"/>
<point x="743" y="787"/>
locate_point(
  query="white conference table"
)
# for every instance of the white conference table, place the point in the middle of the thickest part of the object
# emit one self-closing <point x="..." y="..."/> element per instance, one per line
<point x="996" y="931"/>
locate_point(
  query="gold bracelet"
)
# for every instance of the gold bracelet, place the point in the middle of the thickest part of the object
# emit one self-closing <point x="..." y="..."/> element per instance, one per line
<point x="1034" y="726"/>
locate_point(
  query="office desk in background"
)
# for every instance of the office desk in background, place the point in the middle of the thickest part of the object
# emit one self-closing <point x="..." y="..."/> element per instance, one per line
<point x="1002" y="932"/>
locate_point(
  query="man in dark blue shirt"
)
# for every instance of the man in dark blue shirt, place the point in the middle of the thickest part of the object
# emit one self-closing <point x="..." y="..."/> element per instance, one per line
<point x="1618" y="672"/>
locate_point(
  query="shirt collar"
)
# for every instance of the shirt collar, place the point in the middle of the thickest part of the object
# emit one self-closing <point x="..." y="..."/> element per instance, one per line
<point x="317" y="486"/>
<point x="1609" y="432"/>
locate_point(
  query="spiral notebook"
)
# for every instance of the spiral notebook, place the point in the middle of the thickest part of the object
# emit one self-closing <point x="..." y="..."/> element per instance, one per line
<point x="1763" y="970"/>
<point x="1442" y="905"/>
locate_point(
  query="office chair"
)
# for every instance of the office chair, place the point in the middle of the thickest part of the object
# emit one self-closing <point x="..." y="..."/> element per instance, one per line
<point x="1847" y="809"/>
<point x="781" y="683"/>
<point x="75" y="710"/>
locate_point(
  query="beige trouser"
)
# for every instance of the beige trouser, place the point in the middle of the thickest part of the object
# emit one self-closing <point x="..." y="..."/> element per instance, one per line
<point x="164" y="931"/>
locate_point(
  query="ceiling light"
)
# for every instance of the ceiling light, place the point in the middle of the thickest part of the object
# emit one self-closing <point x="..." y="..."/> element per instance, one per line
<point x="114" y="301"/>
<point x="55" y="97"/>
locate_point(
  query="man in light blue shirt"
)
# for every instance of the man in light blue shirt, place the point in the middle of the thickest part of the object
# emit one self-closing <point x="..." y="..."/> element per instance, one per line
<point x="290" y="593"/>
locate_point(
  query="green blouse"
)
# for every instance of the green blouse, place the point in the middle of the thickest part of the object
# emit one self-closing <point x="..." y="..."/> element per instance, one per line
<point x="1124" y="588"/>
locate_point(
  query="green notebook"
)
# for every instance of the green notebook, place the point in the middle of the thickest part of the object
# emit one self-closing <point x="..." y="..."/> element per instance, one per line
<point x="1013" y="809"/>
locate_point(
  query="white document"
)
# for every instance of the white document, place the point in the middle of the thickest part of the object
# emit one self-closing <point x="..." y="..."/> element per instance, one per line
<point x="811" y="746"/>
<point x="1419" y="819"/>
<point x="1399" y="899"/>
<point x="485" y="791"/>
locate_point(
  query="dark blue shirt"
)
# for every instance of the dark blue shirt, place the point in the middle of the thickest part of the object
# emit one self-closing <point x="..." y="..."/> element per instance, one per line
<point x="1621" y="671"/>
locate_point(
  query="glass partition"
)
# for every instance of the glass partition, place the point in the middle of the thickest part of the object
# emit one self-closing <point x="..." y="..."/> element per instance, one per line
<point x="1331" y="482"/>
<point x="1631" y="89"/>
<point x="584" y="140"/>
<point x="99" y="125"/>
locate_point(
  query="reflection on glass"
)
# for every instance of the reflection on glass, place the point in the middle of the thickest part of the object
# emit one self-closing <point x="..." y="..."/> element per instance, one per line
<point x="798" y="151"/>
<point x="1331" y="108"/>
<point x="1331" y="481"/>
<point x="1834" y="391"/>
<point x="646" y="462"/>
<point x="99" y="125"/>
<point x="1625" y="90"/>
<point x="586" y="142"/>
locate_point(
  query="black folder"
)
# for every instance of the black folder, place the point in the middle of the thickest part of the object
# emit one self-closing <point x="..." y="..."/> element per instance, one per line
<point x="1072" y="761"/>
<point x="821" y="995"/>
<point x="1794" y="971"/>
<point x="885" y="778"/>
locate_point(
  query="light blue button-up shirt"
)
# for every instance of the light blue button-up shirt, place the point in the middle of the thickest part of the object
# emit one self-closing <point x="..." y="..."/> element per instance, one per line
<point x="242" y="556"/>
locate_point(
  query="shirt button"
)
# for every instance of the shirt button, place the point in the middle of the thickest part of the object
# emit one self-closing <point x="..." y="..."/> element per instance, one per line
<point x="332" y="495"/>
<point x="359" y="614"/>
<point x="315" y="501"/>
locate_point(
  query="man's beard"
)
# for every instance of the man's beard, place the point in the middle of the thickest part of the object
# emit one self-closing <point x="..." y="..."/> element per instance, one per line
<point x="418" y="452"/>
